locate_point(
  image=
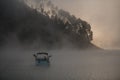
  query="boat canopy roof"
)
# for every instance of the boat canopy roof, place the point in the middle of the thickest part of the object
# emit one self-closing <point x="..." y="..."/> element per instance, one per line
<point x="39" y="53"/>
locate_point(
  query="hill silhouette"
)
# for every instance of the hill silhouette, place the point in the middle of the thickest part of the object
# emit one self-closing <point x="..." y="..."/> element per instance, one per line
<point x="49" y="28"/>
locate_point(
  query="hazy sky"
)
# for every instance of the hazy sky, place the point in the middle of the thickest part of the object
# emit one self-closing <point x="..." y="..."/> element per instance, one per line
<point x="103" y="15"/>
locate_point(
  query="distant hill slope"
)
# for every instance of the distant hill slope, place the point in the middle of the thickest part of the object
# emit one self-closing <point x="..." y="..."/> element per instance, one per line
<point x="31" y="25"/>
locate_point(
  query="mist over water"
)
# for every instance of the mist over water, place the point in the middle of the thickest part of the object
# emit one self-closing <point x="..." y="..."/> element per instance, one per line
<point x="17" y="63"/>
<point x="69" y="62"/>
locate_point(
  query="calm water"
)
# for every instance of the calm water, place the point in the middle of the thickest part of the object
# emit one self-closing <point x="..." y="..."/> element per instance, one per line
<point x="65" y="65"/>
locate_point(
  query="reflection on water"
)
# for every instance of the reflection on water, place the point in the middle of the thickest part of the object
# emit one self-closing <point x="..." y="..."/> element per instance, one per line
<point x="42" y="64"/>
<point x="65" y="65"/>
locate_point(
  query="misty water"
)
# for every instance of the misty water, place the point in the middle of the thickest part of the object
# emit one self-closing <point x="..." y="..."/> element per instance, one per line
<point x="31" y="22"/>
<point x="65" y="64"/>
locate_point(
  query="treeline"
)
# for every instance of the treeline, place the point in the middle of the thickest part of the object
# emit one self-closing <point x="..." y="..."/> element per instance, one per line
<point x="49" y="28"/>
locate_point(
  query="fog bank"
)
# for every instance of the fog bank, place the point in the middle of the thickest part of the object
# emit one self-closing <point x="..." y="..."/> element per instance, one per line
<point x="103" y="15"/>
